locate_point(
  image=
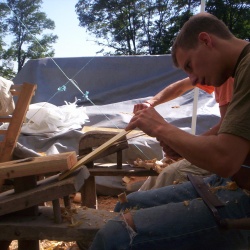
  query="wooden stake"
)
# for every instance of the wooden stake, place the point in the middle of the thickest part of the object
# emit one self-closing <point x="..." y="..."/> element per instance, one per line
<point x="94" y="153"/>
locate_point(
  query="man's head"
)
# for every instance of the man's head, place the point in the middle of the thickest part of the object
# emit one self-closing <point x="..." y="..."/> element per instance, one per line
<point x="197" y="49"/>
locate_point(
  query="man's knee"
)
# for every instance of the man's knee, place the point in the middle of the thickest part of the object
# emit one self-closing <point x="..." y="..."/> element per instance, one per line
<point x="129" y="220"/>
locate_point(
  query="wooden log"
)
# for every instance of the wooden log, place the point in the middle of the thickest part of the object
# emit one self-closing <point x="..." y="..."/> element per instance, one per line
<point x="37" y="165"/>
<point x="83" y="226"/>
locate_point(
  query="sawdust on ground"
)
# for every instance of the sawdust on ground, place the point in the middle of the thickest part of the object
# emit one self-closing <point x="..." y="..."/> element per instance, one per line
<point x="104" y="203"/>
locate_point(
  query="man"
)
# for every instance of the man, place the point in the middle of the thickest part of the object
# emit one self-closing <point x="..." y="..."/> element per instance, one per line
<point x="177" y="172"/>
<point x="207" y="51"/>
<point x="171" y="92"/>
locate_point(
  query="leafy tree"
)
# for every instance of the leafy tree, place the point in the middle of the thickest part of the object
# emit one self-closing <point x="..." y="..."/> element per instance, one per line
<point x="171" y="20"/>
<point x="117" y="20"/>
<point x="26" y="24"/>
<point x="6" y="66"/>
<point x="134" y="27"/>
<point x="234" y="13"/>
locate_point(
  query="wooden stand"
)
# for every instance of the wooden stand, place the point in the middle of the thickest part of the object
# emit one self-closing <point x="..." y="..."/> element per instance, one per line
<point x="93" y="139"/>
<point x="22" y="202"/>
<point x="51" y="223"/>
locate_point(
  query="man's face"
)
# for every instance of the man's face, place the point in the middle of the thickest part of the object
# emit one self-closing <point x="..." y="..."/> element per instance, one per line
<point x="202" y="64"/>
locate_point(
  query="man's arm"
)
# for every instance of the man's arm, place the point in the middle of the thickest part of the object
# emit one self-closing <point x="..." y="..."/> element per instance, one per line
<point x="169" y="152"/>
<point x="171" y="92"/>
<point x="215" y="153"/>
<point x="214" y="130"/>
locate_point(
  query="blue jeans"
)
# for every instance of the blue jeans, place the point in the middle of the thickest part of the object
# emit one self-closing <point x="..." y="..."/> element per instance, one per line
<point x="175" y="218"/>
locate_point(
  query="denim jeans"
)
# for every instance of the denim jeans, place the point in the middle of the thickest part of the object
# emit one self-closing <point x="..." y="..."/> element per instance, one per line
<point x="175" y="218"/>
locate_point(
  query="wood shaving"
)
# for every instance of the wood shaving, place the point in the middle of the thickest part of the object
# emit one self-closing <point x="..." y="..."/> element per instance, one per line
<point x="75" y="223"/>
<point x="50" y="245"/>
<point x="230" y="186"/>
<point x="176" y="182"/>
<point x="67" y="214"/>
<point x="122" y="198"/>
<point x="126" y="179"/>
<point x="154" y="164"/>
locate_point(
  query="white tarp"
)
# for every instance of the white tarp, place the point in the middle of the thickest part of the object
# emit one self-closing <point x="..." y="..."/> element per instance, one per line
<point x="114" y="85"/>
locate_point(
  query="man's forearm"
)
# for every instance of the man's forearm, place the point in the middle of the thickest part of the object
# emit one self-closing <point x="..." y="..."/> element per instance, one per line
<point x="171" y="92"/>
<point x="204" y="151"/>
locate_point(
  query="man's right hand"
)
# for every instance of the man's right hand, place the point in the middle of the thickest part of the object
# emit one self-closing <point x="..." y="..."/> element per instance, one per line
<point x="169" y="152"/>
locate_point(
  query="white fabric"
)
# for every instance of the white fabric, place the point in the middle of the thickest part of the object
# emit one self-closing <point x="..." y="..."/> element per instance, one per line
<point x="7" y="104"/>
<point x="46" y="118"/>
<point x="175" y="172"/>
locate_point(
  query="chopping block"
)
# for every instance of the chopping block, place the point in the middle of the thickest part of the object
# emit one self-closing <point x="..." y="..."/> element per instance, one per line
<point x="93" y="139"/>
<point x="22" y="202"/>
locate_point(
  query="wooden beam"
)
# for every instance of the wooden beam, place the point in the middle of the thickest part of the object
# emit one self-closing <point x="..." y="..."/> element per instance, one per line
<point x="37" y="165"/>
<point x="8" y="144"/>
<point x="81" y="224"/>
<point x="47" y="190"/>
<point x="126" y="170"/>
<point x="86" y="129"/>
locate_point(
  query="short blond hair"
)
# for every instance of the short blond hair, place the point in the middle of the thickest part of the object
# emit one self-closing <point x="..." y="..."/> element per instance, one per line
<point x="202" y="22"/>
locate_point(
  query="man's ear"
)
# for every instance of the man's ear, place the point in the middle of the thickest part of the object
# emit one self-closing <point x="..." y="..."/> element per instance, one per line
<point x="205" y="38"/>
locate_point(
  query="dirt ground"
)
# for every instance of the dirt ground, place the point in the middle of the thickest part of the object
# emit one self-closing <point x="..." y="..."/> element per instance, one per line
<point x="104" y="203"/>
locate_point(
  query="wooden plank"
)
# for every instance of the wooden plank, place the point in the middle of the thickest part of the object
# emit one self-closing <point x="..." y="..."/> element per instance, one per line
<point x="111" y="150"/>
<point x="15" y="89"/>
<point x="5" y="119"/>
<point x="89" y="157"/>
<point x="37" y="165"/>
<point x="104" y="129"/>
<point x="18" y="117"/>
<point x="46" y="190"/>
<point x="87" y="223"/>
<point x="93" y="139"/>
<point x="126" y="170"/>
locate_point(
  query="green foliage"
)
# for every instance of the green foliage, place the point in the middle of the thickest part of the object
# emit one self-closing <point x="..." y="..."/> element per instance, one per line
<point x="25" y="24"/>
<point x="5" y="64"/>
<point x="135" y="27"/>
<point x="132" y="27"/>
<point x="235" y="14"/>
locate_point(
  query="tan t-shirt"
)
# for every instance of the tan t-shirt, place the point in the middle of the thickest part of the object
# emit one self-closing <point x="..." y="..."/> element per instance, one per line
<point x="237" y="118"/>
